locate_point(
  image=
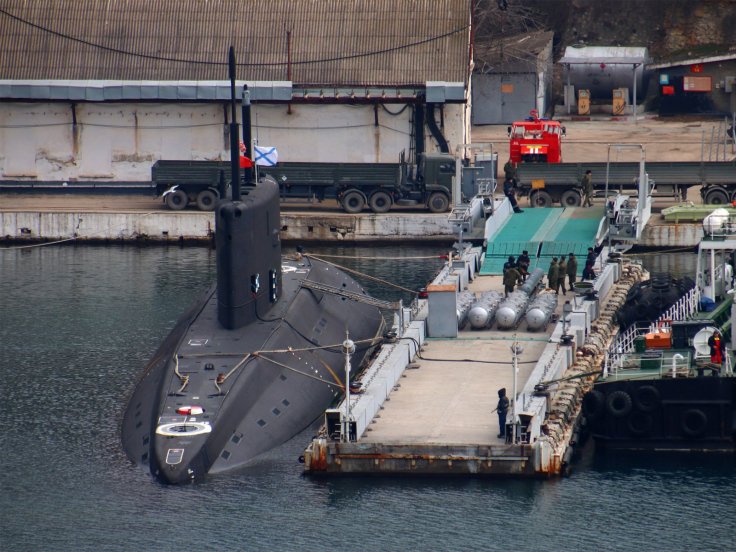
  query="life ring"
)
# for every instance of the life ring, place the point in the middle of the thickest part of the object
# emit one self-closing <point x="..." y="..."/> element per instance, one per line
<point x="646" y="398"/>
<point x="593" y="404"/>
<point x="640" y="423"/>
<point x="619" y="404"/>
<point x="694" y="422"/>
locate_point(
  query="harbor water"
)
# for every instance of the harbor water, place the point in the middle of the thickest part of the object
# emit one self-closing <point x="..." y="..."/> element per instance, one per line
<point x="77" y="325"/>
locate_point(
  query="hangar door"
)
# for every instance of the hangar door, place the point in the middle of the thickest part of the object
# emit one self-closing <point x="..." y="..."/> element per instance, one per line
<point x="502" y="99"/>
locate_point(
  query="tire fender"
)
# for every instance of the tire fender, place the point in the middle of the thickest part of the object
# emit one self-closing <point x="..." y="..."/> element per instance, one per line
<point x="694" y="422"/>
<point x="619" y="404"/>
<point x="647" y="398"/>
<point x="594" y="404"/>
<point x="640" y="423"/>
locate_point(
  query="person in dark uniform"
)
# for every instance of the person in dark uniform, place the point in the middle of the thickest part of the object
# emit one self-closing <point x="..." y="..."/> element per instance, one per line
<point x="502" y="408"/>
<point x="509" y="190"/>
<point x="511" y="263"/>
<point x="592" y="255"/>
<point x="509" y="170"/>
<point x="588" y="271"/>
<point x="523" y="263"/>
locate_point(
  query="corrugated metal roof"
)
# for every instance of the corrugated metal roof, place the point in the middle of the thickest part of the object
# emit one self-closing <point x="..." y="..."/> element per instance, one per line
<point x="308" y="42"/>
<point x="605" y="54"/>
<point x="692" y="61"/>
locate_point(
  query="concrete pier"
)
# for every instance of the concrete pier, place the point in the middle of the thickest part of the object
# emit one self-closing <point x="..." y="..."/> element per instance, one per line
<point x="438" y="416"/>
<point x="144" y="219"/>
<point x="30" y="217"/>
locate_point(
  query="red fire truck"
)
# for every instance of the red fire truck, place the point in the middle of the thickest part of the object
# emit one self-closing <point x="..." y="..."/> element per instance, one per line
<point x="535" y="140"/>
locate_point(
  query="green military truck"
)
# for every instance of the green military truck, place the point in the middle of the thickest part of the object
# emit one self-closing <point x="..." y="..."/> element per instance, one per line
<point x="548" y="183"/>
<point x="355" y="186"/>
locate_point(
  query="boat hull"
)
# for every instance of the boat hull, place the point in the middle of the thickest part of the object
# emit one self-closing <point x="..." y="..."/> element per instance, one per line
<point x="256" y="359"/>
<point x="281" y="374"/>
<point x="678" y="414"/>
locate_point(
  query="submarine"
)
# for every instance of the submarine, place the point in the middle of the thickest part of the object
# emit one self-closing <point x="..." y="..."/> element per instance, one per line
<point x="258" y="357"/>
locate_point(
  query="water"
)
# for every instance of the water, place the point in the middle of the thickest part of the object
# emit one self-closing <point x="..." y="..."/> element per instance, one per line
<point x="78" y="323"/>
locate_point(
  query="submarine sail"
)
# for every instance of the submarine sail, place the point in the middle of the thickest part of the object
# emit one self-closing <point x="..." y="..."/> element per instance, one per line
<point x="256" y="359"/>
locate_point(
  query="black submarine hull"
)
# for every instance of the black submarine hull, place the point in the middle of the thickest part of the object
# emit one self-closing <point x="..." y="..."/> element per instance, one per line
<point x="255" y="360"/>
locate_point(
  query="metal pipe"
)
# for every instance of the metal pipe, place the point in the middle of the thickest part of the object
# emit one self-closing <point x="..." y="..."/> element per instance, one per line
<point x="635" y="65"/>
<point x="247" y="135"/>
<point x="288" y="65"/>
<point x="234" y="146"/>
<point x="569" y="100"/>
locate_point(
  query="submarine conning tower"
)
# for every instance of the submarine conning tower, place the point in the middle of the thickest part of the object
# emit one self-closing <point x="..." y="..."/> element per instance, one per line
<point x="248" y="255"/>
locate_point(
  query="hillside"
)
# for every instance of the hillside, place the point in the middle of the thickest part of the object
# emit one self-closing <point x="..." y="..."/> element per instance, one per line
<point x="671" y="29"/>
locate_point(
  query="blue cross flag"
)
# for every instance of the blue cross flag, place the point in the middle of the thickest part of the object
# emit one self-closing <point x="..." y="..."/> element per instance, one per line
<point x="266" y="156"/>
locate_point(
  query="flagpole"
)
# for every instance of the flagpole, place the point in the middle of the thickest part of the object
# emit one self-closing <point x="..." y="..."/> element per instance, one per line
<point x="247" y="135"/>
<point x="234" y="149"/>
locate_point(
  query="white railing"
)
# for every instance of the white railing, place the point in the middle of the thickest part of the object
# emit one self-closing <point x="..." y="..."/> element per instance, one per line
<point x="665" y="363"/>
<point x="624" y="342"/>
<point x="686" y="306"/>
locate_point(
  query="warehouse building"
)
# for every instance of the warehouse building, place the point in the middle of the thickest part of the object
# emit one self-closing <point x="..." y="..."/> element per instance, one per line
<point x="96" y="90"/>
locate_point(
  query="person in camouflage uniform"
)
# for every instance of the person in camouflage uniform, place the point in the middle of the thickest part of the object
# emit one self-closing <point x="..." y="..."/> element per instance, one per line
<point x="552" y="274"/>
<point x="586" y="183"/>
<point x="561" y="274"/>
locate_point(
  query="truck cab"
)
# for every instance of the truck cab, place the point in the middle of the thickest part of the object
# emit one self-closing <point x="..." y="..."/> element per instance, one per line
<point x="535" y="140"/>
<point x="437" y="169"/>
<point x="433" y="178"/>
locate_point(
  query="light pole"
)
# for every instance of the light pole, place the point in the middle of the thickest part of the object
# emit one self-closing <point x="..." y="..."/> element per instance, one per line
<point x="348" y="347"/>
<point x="516" y="350"/>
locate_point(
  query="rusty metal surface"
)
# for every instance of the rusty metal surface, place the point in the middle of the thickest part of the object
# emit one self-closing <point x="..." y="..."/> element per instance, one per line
<point x="430" y="459"/>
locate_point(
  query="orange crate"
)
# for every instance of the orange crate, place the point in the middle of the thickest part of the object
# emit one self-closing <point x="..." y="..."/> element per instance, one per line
<point x="658" y="340"/>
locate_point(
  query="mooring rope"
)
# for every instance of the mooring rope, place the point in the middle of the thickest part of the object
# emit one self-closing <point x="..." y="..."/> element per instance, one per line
<point x="358" y="257"/>
<point x="38" y="244"/>
<point x="368" y="276"/>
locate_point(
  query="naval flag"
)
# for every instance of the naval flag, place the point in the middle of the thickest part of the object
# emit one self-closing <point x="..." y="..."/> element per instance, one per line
<point x="266" y="156"/>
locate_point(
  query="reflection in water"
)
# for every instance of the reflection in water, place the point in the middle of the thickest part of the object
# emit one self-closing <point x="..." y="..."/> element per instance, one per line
<point x="77" y="324"/>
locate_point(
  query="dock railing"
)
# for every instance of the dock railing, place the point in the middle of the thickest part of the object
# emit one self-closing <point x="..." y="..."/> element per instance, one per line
<point x="663" y="362"/>
<point x="623" y="344"/>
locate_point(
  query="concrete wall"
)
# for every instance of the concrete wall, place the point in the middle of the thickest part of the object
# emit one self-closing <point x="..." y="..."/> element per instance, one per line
<point x="197" y="225"/>
<point x="120" y="141"/>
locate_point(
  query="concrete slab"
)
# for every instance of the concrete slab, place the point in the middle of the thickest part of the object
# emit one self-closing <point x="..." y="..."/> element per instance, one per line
<point x="451" y="397"/>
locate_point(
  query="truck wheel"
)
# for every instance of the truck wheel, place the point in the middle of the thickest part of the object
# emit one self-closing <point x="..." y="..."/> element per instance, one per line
<point x="570" y="198"/>
<point x="540" y="199"/>
<point x="206" y="200"/>
<point x="353" y="202"/>
<point x="438" y="202"/>
<point x="380" y="202"/>
<point x="716" y="196"/>
<point x="177" y="200"/>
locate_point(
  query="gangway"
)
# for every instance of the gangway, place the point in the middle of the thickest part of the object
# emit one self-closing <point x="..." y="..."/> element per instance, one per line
<point x="626" y="215"/>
